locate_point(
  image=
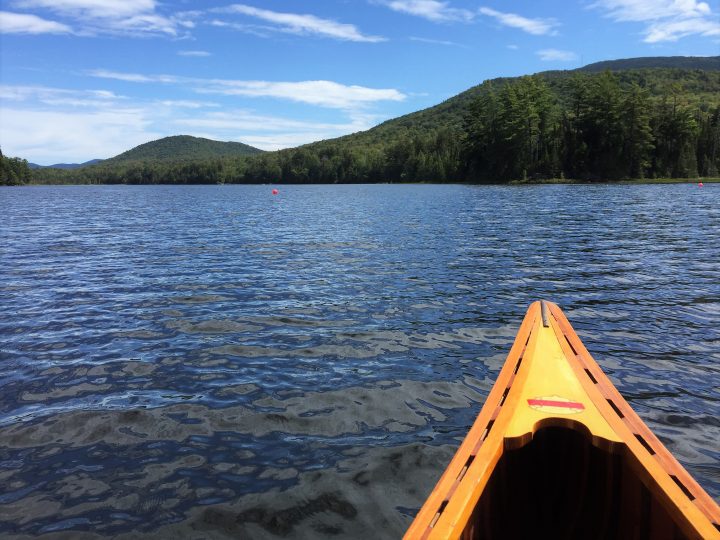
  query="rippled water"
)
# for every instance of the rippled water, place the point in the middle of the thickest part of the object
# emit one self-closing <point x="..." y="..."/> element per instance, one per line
<point x="218" y="362"/>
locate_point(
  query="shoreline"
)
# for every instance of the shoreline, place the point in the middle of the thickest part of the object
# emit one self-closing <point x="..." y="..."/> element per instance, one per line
<point x="631" y="181"/>
<point x="548" y="181"/>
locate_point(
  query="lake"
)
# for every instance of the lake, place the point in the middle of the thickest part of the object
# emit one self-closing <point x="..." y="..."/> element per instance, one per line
<point x="216" y="361"/>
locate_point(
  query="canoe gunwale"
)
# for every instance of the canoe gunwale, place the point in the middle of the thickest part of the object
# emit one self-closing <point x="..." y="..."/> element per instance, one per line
<point x="624" y="413"/>
<point x="452" y="501"/>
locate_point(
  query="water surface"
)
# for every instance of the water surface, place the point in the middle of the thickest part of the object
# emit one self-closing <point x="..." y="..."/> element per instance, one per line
<point x="214" y="361"/>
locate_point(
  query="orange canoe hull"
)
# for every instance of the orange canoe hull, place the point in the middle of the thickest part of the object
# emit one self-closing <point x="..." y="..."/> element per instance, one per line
<point x="556" y="451"/>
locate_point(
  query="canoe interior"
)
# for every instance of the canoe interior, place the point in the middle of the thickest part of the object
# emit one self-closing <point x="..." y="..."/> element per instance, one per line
<point x="561" y="486"/>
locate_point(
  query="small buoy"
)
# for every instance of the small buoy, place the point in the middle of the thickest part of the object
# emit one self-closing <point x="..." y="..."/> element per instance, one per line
<point x="275" y="192"/>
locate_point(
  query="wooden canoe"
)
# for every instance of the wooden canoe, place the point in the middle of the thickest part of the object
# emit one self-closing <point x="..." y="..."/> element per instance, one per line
<point x="556" y="452"/>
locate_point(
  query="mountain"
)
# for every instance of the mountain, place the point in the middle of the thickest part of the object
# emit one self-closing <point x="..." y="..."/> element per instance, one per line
<point x="628" y="118"/>
<point x="65" y="165"/>
<point x="698" y="75"/>
<point x="707" y="63"/>
<point x="183" y="148"/>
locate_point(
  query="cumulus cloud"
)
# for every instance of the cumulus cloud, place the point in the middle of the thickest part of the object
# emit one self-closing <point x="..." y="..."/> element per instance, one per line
<point x="538" y="27"/>
<point x="301" y="23"/>
<point x="20" y="23"/>
<point x="665" y="20"/>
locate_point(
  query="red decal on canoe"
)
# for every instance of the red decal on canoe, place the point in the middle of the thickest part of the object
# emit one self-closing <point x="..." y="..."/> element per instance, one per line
<point x="553" y="403"/>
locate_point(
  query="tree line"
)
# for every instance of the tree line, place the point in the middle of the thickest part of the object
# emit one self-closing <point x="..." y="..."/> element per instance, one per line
<point x="586" y="126"/>
<point x="14" y="171"/>
<point x="603" y="131"/>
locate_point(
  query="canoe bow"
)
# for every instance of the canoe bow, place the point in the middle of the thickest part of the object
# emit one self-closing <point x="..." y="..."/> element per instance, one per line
<point x="550" y="380"/>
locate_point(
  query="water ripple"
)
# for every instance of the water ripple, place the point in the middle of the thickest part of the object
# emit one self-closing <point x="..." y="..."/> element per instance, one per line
<point x="182" y="359"/>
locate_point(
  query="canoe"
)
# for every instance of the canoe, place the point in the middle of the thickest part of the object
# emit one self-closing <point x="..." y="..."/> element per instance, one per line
<point x="556" y="452"/>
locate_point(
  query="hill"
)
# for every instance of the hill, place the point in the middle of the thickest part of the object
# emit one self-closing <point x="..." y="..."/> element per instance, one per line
<point x="630" y="118"/>
<point x="183" y="148"/>
<point x="699" y="77"/>
<point x="706" y="63"/>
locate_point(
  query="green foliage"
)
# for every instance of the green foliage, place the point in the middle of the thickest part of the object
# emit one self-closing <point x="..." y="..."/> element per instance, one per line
<point x="183" y="148"/>
<point x="636" y="118"/>
<point x="13" y="171"/>
<point x="597" y="128"/>
<point x="511" y="133"/>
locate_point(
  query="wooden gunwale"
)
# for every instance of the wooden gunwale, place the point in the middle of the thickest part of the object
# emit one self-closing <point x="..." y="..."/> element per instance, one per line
<point x="452" y="501"/>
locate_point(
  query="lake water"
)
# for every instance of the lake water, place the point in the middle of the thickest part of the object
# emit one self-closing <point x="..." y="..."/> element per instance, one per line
<point x="215" y="361"/>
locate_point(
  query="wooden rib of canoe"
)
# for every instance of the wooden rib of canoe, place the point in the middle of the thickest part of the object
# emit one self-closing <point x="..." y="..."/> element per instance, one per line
<point x="556" y="452"/>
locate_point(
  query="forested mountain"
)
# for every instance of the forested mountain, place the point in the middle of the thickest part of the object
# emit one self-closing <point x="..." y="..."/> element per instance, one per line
<point x="711" y="63"/>
<point x="631" y="119"/>
<point x="183" y="148"/>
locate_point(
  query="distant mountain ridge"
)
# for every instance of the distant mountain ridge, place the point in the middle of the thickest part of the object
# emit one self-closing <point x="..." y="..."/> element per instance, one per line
<point x="707" y="63"/>
<point x="183" y="148"/>
<point x="67" y="166"/>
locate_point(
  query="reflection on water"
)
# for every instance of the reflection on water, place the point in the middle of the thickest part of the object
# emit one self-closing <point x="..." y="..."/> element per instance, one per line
<point x="217" y="362"/>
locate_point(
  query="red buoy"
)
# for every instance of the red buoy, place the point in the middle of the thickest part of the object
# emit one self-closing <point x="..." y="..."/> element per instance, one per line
<point x="275" y="192"/>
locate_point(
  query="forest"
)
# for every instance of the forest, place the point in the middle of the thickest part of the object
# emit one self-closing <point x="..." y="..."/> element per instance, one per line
<point x="14" y="171"/>
<point x="634" y="124"/>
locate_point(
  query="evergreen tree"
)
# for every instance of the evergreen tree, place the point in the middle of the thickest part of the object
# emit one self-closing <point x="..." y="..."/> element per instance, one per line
<point x="637" y="132"/>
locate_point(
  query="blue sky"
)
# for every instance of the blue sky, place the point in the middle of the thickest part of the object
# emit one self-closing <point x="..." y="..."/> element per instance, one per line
<point x="83" y="79"/>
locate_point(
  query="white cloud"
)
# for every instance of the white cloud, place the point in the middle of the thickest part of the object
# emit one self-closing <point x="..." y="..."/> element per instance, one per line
<point x="435" y="41"/>
<point x="92" y="8"/>
<point x="58" y="96"/>
<point x="666" y="20"/>
<point x="321" y="93"/>
<point x="187" y="104"/>
<point x="432" y="10"/>
<point x="270" y="132"/>
<point x="550" y="55"/>
<point x="247" y="120"/>
<point x="146" y="23"/>
<point x="301" y="24"/>
<point x="675" y="30"/>
<point x="48" y="134"/>
<point x="649" y="10"/>
<point x="261" y="31"/>
<point x="49" y="125"/>
<point x="135" y="77"/>
<point x="538" y="27"/>
<point x="58" y="136"/>
<point x="117" y="17"/>
<point x="195" y="54"/>
<point x="20" y="23"/>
